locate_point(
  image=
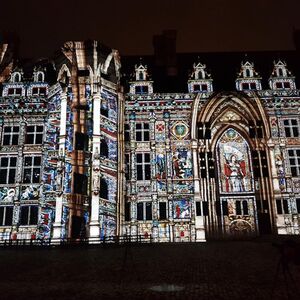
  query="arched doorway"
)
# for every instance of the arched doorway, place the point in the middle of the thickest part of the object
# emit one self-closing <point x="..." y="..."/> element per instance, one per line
<point x="231" y="131"/>
<point x="235" y="199"/>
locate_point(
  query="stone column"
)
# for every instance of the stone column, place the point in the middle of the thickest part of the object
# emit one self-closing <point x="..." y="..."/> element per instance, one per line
<point x="94" y="219"/>
<point x="199" y="220"/>
<point x="57" y="226"/>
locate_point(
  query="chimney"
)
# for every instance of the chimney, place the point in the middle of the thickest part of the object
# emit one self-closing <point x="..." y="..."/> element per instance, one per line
<point x="165" y="51"/>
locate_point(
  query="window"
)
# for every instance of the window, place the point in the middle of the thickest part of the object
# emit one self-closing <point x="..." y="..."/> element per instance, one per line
<point x="162" y="210"/>
<point x="127" y="133"/>
<point x="248" y="86"/>
<point x="80" y="184"/>
<point x="14" y="92"/>
<point x="241" y="207"/>
<point x="6" y="215"/>
<point x="298" y="205"/>
<point x="103" y="189"/>
<point x="127" y="166"/>
<point x="142" y="132"/>
<point x="34" y="134"/>
<point x="198" y="208"/>
<point x="29" y="215"/>
<point x="10" y="135"/>
<point x="248" y="73"/>
<point x="282" y="85"/>
<point x="104" y="111"/>
<point x="141" y="89"/>
<point x="143" y="166"/>
<point x="8" y="167"/>
<point x="245" y="86"/>
<point x="280" y="72"/>
<point x="291" y="127"/>
<point x="282" y="206"/>
<point x="81" y="141"/>
<point x="294" y="159"/>
<point x="17" y="77"/>
<point x="127" y="211"/>
<point x="204" y="87"/>
<point x="103" y="148"/>
<point x="197" y="88"/>
<point x="32" y="169"/>
<point x="39" y="91"/>
<point x="144" y="210"/>
<point x="148" y="211"/>
<point x="40" y="77"/>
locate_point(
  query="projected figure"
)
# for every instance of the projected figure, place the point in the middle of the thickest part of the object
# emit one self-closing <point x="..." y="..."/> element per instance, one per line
<point x="235" y="172"/>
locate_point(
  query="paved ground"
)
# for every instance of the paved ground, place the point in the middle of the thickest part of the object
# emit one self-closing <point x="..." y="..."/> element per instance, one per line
<point x="213" y="270"/>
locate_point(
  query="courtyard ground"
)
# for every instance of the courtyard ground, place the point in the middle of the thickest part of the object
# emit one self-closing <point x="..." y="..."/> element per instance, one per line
<point x="212" y="270"/>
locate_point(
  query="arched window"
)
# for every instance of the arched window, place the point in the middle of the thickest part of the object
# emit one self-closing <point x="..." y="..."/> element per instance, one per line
<point x="103" y="189"/>
<point x="40" y="77"/>
<point x="17" y="77"/>
<point x="103" y="148"/>
<point x="234" y="163"/>
<point x="280" y="72"/>
<point x="200" y="75"/>
<point x="141" y="76"/>
<point x="248" y="74"/>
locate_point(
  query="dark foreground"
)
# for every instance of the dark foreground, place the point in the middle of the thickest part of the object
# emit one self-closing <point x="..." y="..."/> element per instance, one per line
<point x="213" y="270"/>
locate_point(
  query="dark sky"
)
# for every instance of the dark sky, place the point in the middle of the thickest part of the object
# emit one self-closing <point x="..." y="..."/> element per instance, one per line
<point x="128" y="25"/>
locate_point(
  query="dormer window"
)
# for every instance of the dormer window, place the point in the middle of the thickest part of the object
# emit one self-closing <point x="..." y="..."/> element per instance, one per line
<point x="200" y="80"/>
<point x="248" y="79"/>
<point x="141" y="84"/>
<point x="281" y="78"/>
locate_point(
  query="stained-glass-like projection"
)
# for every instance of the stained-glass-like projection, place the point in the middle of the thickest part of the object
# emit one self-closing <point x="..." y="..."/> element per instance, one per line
<point x="181" y="209"/>
<point x="235" y="172"/>
<point x="182" y="164"/>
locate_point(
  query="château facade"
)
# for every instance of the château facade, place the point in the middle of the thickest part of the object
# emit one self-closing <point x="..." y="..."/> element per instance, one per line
<point x="83" y="156"/>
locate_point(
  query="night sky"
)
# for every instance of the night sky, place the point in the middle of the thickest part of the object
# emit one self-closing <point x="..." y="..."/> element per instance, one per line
<point x="203" y="26"/>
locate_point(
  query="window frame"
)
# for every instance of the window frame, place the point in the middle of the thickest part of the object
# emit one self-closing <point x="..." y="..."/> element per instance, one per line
<point x="142" y="132"/>
<point x="11" y="135"/>
<point x="291" y="130"/>
<point x="143" y="167"/>
<point x="29" y="215"/>
<point x="144" y="211"/>
<point x="11" y="169"/>
<point x="3" y="221"/>
<point x="33" y="168"/>
<point x="294" y="161"/>
<point x="35" y="134"/>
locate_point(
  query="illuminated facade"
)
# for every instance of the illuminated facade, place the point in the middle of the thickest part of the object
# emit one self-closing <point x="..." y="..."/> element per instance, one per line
<point x="79" y="158"/>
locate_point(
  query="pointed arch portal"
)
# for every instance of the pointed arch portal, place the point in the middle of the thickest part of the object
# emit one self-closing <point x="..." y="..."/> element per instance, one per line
<point x="232" y="186"/>
<point x="235" y="194"/>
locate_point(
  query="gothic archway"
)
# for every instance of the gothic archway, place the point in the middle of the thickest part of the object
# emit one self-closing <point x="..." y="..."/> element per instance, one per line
<point x="237" y="211"/>
<point x="235" y="204"/>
